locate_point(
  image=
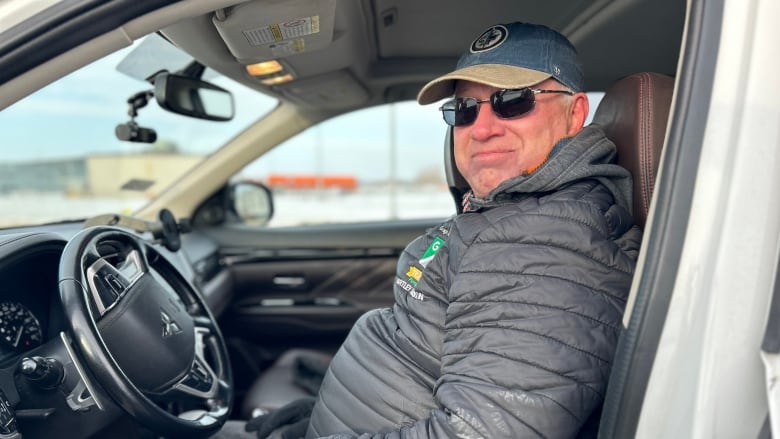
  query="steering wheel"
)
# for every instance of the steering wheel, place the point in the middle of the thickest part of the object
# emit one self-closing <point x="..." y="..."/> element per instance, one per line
<point x="145" y="333"/>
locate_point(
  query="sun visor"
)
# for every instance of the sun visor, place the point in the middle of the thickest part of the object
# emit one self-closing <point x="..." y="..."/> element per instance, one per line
<point x="259" y="31"/>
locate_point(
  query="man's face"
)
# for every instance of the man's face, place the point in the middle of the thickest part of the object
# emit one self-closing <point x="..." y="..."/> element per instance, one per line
<point x="492" y="150"/>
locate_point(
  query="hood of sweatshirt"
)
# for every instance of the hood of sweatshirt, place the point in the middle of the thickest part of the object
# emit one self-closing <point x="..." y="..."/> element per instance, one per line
<point x="588" y="155"/>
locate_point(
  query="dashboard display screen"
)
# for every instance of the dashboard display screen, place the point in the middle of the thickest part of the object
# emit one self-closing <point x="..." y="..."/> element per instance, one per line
<point x="20" y="330"/>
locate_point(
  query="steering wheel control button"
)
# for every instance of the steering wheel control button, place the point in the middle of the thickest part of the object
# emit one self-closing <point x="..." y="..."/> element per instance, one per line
<point x="199" y="378"/>
<point x="108" y="283"/>
<point x="104" y="288"/>
<point x="115" y="284"/>
<point x="112" y="284"/>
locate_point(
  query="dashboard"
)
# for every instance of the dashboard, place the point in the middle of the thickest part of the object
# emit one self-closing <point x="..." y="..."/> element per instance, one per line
<point x="29" y="305"/>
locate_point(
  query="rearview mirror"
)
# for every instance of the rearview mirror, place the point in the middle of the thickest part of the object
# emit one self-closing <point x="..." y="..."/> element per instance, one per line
<point x="193" y="97"/>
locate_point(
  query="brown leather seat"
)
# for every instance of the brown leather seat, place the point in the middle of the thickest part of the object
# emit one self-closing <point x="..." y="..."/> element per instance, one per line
<point x="634" y="114"/>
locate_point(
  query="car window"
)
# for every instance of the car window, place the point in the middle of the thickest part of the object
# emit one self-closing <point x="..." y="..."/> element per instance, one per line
<point x="594" y="98"/>
<point x="62" y="160"/>
<point x="381" y="163"/>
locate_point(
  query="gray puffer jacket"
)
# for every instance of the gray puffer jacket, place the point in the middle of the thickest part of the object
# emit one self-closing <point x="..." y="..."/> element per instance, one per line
<point x="506" y="318"/>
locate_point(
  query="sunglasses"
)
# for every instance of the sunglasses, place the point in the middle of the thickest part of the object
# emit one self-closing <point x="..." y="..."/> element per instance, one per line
<point x="506" y="104"/>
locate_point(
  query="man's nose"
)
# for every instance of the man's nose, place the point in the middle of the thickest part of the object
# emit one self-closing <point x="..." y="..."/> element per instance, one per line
<point x="485" y="124"/>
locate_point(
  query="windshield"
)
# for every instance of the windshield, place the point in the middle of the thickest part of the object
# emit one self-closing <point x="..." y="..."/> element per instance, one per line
<point x="61" y="159"/>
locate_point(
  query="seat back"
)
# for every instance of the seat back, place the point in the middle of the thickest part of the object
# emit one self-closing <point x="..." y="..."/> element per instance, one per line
<point x="457" y="184"/>
<point x="633" y="113"/>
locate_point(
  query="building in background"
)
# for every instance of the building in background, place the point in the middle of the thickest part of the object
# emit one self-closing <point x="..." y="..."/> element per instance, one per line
<point x="97" y="175"/>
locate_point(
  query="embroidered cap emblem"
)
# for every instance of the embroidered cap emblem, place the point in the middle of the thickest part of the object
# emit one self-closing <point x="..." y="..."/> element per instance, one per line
<point x="490" y="39"/>
<point x="169" y="326"/>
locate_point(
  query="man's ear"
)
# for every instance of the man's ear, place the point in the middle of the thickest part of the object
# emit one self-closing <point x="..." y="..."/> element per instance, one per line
<point x="578" y="112"/>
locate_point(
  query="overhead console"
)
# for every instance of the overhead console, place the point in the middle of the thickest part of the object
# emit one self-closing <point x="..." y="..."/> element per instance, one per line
<point x="273" y="41"/>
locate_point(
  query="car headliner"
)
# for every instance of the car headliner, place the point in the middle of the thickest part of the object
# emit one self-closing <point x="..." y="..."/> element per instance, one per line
<point x="379" y="51"/>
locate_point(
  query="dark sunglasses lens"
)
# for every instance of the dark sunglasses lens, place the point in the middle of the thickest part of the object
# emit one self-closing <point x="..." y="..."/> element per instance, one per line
<point x="512" y="103"/>
<point x="460" y="111"/>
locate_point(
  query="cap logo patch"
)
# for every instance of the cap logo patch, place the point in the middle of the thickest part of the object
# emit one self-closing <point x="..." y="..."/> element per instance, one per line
<point x="490" y="39"/>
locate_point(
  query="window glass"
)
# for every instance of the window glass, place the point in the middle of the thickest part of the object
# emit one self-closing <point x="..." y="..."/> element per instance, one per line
<point x="62" y="159"/>
<point x="594" y="99"/>
<point x="381" y="163"/>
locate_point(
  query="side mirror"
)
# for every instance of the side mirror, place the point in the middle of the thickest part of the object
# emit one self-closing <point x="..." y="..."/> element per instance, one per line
<point x="193" y="97"/>
<point x="252" y="202"/>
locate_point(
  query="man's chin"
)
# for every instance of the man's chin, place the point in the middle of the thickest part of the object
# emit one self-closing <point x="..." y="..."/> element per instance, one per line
<point x="482" y="189"/>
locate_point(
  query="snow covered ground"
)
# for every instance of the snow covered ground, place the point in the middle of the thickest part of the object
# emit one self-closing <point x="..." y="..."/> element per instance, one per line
<point x="291" y="207"/>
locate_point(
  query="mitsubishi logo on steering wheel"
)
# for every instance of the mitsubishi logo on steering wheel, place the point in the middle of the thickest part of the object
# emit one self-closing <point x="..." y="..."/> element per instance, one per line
<point x="169" y="326"/>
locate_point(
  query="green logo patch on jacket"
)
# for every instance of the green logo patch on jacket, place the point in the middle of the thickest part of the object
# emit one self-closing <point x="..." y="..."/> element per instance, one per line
<point x="427" y="257"/>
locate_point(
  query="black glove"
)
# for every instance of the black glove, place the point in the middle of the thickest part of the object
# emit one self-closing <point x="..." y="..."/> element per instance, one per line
<point x="291" y="420"/>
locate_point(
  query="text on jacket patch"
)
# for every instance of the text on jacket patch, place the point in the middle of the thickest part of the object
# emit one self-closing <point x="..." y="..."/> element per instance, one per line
<point x="406" y="286"/>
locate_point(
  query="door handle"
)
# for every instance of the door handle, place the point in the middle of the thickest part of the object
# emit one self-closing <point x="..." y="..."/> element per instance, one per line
<point x="289" y="281"/>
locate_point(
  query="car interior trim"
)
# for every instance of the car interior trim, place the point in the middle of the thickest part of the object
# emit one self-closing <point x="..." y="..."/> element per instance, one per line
<point x="60" y="36"/>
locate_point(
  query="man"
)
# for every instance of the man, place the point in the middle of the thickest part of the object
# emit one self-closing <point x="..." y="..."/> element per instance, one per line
<point x="506" y="316"/>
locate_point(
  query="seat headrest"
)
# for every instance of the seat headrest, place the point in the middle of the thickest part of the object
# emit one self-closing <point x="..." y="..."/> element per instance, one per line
<point x="634" y="114"/>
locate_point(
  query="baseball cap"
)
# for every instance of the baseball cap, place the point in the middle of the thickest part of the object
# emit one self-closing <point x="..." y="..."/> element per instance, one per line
<point x="511" y="55"/>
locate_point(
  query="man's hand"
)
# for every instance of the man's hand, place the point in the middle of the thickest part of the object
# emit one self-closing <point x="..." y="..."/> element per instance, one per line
<point x="291" y="420"/>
